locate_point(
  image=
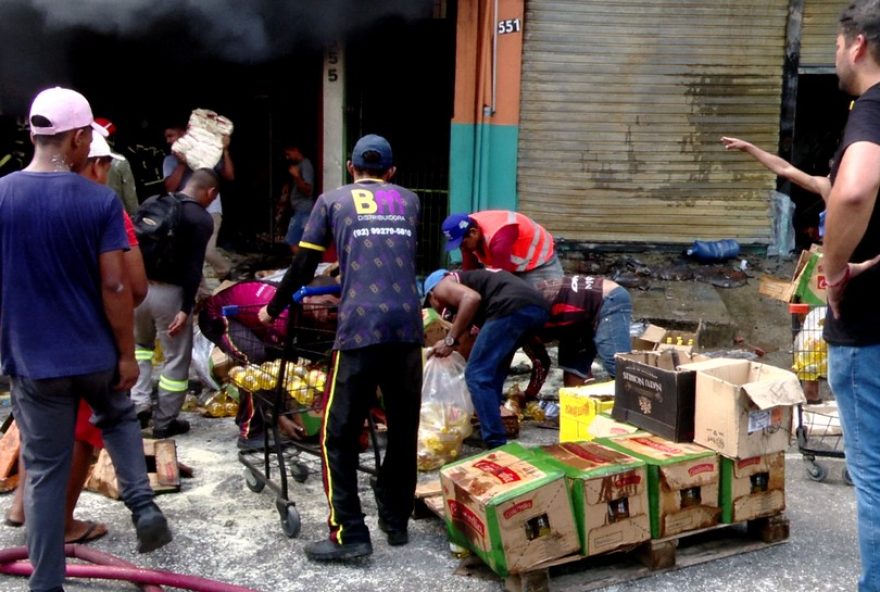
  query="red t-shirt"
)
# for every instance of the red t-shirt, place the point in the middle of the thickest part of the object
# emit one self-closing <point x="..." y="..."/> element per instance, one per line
<point x="129" y="229"/>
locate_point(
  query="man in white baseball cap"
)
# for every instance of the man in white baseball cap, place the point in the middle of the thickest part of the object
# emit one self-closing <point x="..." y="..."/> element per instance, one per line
<point x="66" y="328"/>
<point x="60" y="110"/>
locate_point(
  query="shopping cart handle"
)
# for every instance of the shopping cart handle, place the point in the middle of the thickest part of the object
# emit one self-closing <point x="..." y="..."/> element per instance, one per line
<point x="230" y="310"/>
<point x="316" y="291"/>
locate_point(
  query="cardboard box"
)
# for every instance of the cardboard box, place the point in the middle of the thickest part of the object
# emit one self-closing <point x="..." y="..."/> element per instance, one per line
<point x="752" y="487"/>
<point x="776" y="288"/>
<point x="509" y="509"/>
<point x="609" y="493"/>
<point x="656" y="338"/>
<point x="810" y="282"/>
<point x="603" y="426"/>
<point x="682" y="482"/>
<point x="744" y="409"/>
<point x="220" y="364"/>
<point x="579" y="406"/>
<point x="653" y="394"/>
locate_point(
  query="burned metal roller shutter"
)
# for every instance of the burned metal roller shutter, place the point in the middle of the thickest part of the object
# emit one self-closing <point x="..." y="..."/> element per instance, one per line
<point x="819" y="33"/>
<point x="623" y="104"/>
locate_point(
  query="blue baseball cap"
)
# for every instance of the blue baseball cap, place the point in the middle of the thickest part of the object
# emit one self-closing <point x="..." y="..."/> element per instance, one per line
<point x="432" y="280"/>
<point x="454" y="228"/>
<point x="372" y="143"/>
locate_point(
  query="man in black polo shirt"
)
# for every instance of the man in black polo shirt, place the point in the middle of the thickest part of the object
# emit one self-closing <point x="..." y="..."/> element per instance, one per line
<point x="852" y="234"/>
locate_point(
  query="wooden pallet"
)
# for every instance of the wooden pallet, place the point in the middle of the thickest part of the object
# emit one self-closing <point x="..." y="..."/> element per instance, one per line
<point x="162" y="469"/>
<point x="651" y="557"/>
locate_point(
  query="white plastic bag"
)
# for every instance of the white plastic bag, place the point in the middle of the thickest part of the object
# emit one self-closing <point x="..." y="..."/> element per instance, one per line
<point x="446" y="412"/>
<point x="810" y="349"/>
<point x="201" y="360"/>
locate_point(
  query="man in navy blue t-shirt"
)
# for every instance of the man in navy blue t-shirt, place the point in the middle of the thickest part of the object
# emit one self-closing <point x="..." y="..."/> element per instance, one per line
<point x="66" y="327"/>
<point x="378" y="343"/>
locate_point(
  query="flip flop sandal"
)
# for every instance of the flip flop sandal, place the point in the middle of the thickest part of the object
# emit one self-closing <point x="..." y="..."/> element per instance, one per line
<point x="95" y="531"/>
<point x="13" y="523"/>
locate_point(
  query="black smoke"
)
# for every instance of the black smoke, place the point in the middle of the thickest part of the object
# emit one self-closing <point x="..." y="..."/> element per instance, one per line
<point x="35" y="34"/>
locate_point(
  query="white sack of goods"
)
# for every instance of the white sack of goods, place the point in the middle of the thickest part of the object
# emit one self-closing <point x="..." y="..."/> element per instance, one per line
<point x="202" y="145"/>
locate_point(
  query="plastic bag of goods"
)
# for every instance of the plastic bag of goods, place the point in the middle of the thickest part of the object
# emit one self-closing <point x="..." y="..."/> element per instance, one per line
<point x="810" y="349"/>
<point x="445" y="419"/>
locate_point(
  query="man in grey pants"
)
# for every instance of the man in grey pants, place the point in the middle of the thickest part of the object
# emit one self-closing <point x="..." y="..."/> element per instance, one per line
<point x="167" y="310"/>
<point x="66" y="328"/>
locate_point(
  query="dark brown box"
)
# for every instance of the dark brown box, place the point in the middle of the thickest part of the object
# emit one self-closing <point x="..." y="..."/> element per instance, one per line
<point x="651" y="393"/>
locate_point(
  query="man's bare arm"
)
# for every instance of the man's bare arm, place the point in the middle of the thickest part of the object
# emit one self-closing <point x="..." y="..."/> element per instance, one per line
<point x="780" y="166"/>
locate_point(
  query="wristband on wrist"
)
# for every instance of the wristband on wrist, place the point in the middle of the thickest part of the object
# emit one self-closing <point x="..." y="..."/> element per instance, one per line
<point x="842" y="279"/>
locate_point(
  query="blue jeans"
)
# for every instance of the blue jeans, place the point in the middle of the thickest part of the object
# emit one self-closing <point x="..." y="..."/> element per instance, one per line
<point x="611" y="337"/>
<point x="45" y="411"/>
<point x="855" y="382"/>
<point x="489" y="364"/>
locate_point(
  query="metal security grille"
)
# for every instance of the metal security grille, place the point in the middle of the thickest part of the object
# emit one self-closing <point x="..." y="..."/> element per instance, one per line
<point x="434" y="196"/>
<point x="818" y="34"/>
<point x="623" y="104"/>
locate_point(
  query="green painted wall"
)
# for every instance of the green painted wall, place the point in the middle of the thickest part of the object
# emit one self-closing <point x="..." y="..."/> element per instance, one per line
<point x="482" y="167"/>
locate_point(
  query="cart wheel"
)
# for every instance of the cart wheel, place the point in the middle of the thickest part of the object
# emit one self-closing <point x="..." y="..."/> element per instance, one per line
<point x="290" y="521"/>
<point x="816" y="472"/>
<point x="846" y="476"/>
<point x="254" y="482"/>
<point x="299" y="472"/>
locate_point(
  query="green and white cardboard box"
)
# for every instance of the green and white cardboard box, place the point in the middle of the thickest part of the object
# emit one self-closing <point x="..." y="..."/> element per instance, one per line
<point x="609" y="492"/>
<point x="682" y="482"/>
<point x="511" y="510"/>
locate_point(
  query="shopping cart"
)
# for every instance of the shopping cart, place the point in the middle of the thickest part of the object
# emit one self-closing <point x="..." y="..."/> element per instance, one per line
<point x="819" y="431"/>
<point x="287" y="387"/>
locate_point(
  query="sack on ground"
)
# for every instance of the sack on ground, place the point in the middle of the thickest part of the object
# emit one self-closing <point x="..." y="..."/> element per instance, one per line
<point x="446" y="412"/>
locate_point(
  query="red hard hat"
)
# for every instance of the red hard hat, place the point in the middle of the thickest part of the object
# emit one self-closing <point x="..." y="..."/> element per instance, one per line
<point x="106" y="124"/>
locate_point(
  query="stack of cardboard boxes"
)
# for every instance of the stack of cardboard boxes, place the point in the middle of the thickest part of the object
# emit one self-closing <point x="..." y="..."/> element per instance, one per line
<point x="688" y="444"/>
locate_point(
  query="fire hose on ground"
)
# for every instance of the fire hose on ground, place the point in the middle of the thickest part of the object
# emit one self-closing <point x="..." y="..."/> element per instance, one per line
<point x="108" y="567"/>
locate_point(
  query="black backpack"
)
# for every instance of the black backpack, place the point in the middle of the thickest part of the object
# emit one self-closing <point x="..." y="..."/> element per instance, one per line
<point x="156" y="225"/>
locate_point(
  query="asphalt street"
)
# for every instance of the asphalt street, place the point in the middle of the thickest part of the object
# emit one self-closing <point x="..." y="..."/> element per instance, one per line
<point x="226" y="532"/>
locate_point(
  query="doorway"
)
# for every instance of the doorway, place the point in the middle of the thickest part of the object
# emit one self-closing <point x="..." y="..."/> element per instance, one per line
<point x="400" y="78"/>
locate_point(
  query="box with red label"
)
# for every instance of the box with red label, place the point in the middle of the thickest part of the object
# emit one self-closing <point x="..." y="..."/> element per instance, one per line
<point x="511" y="510"/>
<point x="682" y="482"/>
<point x="752" y="487"/>
<point x="744" y="409"/>
<point x="609" y="492"/>
<point x="603" y="426"/>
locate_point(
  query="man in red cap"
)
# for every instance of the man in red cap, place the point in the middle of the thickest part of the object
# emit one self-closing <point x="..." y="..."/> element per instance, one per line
<point x="58" y="229"/>
<point x="120" y="178"/>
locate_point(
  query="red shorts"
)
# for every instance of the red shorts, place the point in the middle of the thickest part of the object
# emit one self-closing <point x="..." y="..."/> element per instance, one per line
<point x="85" y="431"/>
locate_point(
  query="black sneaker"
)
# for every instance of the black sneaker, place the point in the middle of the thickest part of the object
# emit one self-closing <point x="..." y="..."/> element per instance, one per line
<point x="152" y="528"/>
<point x="327" y="550"/>
<point x="174" y="428"/>
<point x="144" y="418"/>
<point x="396" y="536"/>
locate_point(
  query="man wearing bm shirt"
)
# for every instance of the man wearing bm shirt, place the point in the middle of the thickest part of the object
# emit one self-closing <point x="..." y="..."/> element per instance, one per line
<point x="378" y="343"/>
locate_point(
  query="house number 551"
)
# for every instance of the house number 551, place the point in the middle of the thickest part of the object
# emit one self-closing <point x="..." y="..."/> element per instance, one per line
<point x="509" y="26"/>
